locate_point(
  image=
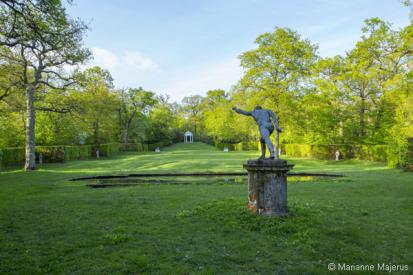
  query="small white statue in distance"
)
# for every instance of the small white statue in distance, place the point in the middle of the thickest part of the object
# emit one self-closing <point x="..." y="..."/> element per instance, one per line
<point x="226" y="149"/>
<point x="337" y="155"/>
<point x="157" y="150"/>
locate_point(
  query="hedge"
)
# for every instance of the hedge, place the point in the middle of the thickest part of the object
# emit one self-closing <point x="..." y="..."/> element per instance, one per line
<point x="11" y="156"/>
<point x="134" y="147"/>
<point x="51" y="153"/>
<point x="61" y="153"/>
<point x="241" y="146"/>
<point x="153" y="146"/>
<point x="78" y="152"/>
<point x="409" y="165"/>
<point x="143" y="147"/>
<point x="392" y="155"/>
<point x="364" y="152"/>
<point x="401" y="154"/>
<point x="109" y="149"/>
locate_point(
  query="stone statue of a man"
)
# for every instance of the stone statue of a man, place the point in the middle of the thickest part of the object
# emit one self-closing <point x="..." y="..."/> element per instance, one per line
<point x="266" y="126"/>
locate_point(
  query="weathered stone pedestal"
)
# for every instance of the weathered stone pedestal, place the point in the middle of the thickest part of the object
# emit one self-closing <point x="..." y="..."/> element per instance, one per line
<point x="267" y="186"/>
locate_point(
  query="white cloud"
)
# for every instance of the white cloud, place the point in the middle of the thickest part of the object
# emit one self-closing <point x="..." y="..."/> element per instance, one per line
<point x="130" y="60"/>
<point x="221" y="75"/>
<point x="134" y="68"/>
<point x="139" y="61"/>
<point x="104" y="58"/>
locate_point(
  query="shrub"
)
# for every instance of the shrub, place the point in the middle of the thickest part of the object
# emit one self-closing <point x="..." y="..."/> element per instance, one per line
<point x="365" y="152"/>
<point x="153" y="146"/>
<point x="141" y="147"/>
<point x="248" y="145"/>
<point x="109" y="149"/>
<point x="409" y="165"/>
<point x="61" y="153"/>
<point x="297" y="150"/>
<point x="130" y="147"/>
<point x="321" y="151"/>
<point x="51" y="153"/>
<point x="400" y="154"/>
<point x="240" y="146"/>
<point x="221" y="146"/>
<point x="78" y="152"/>
<point x="12" y="156"/>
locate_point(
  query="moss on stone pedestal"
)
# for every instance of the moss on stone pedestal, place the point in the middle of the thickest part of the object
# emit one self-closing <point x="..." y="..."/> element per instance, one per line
<point x="267" y="186"/>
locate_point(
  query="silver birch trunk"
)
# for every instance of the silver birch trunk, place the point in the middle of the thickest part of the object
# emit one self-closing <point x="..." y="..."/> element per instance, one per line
<point x="30" y="162"/>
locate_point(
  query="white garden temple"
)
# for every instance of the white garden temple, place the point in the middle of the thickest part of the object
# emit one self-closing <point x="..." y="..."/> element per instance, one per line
<point x="188" y="137"/>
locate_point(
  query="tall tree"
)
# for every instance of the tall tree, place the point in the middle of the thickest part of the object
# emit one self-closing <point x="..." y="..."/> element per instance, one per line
<point x="219" y="119"/>
<point x="380" y="58"/>
<point x="41" y="39"/>
<point x="162" y="121"/>
<point x="96" y="102"/>
<point x="276" y="70"/>
<point x="323" y="107"/>
<point x="192" y="106"/>
<point x="132" y="103"/>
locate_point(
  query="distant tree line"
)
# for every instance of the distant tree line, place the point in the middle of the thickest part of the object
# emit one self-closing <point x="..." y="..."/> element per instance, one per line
<point x="362" y="97"/>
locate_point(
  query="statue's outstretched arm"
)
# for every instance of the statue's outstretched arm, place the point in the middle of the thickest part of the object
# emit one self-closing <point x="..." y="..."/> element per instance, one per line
<point x="275" y="120"/>
<point x="242" y="112"/>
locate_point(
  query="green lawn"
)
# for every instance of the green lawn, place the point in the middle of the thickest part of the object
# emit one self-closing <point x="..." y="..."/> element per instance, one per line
<point x="51" y="225"/>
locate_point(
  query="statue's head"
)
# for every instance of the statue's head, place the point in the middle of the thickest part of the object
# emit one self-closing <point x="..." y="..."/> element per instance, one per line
<point x="258" y="107"/>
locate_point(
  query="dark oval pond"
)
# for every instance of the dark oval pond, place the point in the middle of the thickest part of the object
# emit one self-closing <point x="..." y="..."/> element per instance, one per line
<point x="137" y="180"/>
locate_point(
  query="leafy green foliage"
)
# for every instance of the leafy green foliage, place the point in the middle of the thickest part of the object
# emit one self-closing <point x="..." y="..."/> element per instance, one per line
<point x="12" y="157"/>
<point x="380" y="153"/>
<point x="346" y="103"/>
<point x="37" y="39"/>
<point x="358" y="103"/>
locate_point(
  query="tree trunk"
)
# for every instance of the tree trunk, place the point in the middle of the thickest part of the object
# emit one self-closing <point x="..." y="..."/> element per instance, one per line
<point x="126" y="137"/>
<point x="96" y="133"/>
<point x="30" y="161"/>
<point x="361" y="119"/>
<point x="120" y="123"/>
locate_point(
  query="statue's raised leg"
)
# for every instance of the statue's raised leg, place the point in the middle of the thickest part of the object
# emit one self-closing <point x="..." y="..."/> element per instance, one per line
<point x="262" y="141"/>
<point x="265" y="134"/>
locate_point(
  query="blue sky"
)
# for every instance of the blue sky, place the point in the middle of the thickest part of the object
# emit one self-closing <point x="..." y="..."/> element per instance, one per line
<point x="188" y="47"/>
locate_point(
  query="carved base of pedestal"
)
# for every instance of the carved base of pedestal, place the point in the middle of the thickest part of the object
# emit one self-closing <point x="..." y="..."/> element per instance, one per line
<point x="267" y="186"/>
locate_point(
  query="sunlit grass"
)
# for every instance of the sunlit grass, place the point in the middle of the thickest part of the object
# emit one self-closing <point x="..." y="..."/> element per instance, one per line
<point x="51" y="225"/>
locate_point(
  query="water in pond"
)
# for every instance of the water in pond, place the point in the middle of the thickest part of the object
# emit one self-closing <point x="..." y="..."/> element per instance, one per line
<point x="136" y="181"/>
